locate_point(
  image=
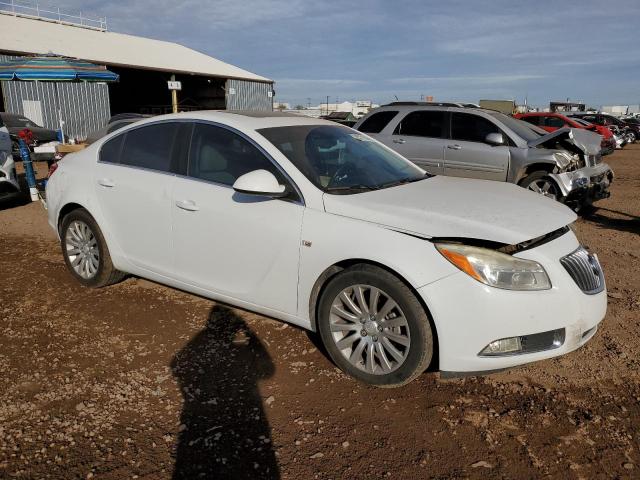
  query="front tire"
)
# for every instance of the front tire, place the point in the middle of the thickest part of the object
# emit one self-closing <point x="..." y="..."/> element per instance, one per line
<point x="541" y="183"/>
<point x="374" y="327"/>
<point x="85" y="251"/>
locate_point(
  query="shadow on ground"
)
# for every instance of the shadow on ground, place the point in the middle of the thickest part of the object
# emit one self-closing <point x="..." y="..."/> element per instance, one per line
<point x="606" y="218"/>
<point x="224" y="432"/>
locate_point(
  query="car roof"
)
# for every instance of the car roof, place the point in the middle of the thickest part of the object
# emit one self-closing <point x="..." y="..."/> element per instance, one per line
<point x="252" y="120"/>
<point x="445" y="106"/>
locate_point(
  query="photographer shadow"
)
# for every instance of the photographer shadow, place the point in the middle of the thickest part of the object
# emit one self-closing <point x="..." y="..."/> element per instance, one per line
<point x="224" y="432"/>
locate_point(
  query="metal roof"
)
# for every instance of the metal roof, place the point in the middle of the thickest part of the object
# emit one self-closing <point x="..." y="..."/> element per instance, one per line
<point x="25" y="36"/>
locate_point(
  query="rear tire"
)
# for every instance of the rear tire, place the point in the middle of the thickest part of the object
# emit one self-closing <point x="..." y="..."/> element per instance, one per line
<point x="540" y="182"/>
<point x="374" y="327"/>
<point x="85" y="251"/>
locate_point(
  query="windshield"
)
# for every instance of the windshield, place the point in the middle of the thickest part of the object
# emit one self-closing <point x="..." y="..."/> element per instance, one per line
<point x="519" y="127"/>
<point x="18" y="121"/>
<point x="340" y="160"/>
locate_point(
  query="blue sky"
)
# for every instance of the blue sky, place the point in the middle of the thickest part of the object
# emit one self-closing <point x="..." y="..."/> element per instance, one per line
<point x="374" y="49"/>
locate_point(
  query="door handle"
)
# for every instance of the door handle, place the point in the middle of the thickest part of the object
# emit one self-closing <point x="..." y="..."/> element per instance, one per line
<point x="106" y="182"/>
<point x="188" y="205"/>
<point x="454" y="147"/>
<point x="399" y="140"/>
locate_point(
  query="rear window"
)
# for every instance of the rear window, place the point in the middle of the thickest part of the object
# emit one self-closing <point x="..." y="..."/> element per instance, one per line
<point x="110" y="151"/>
<point x="422" y="123"/>
<point x="150" y="146"/>
<point x="377" y="121"/>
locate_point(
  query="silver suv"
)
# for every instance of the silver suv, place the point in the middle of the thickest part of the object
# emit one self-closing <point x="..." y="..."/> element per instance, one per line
<point x="446" y="139"/>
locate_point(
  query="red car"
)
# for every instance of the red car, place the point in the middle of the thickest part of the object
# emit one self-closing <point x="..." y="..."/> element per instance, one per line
<point x="553" y="121"/>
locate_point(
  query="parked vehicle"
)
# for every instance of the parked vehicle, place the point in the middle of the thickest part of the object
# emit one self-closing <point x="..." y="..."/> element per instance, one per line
<point x="15" y="123"/>
<point x="314" y="223"/>
<point x="116" y="122"/>
<point x="470" y="142"/>
<point x="9" y="186"/>
<point x="550" y="122"/>
<point x="630" y="130"/>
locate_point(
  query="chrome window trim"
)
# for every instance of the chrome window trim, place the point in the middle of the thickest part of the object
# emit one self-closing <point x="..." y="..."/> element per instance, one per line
<point x="299" y="201"/>
<point x="132" y="127"/>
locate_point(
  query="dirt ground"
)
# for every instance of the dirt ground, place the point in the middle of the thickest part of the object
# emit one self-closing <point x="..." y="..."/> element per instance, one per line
<point x="141" y="381"/>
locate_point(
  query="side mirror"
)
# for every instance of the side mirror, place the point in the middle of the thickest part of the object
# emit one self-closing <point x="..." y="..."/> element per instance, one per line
<point x="261" y="183"/>
<point x="495" y="139"/>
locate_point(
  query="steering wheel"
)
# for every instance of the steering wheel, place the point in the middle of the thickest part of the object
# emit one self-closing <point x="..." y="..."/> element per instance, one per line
<point x="343" y="172"/>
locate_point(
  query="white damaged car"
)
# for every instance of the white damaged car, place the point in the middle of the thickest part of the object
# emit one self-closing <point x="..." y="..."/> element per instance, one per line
<point x="321" y="226"/>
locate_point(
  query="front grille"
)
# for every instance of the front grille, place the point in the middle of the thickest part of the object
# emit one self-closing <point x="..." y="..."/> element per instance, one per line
<point x="585" y="270"/>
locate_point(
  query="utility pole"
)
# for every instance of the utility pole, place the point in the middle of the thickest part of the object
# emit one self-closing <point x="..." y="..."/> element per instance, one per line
<point x="174" y="96"/>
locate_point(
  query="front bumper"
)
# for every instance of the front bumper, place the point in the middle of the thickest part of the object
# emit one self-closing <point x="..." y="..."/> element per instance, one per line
<point x="465" y="327"/>
<point x="586" y="184"/>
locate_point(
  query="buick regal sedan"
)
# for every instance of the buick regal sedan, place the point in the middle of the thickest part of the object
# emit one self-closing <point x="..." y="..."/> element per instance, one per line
<point x="321" y="226"/>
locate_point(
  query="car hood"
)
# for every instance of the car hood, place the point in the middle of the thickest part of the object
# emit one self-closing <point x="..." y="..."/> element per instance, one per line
<point x="585" y="140"/>
<point x="448" y="207"/>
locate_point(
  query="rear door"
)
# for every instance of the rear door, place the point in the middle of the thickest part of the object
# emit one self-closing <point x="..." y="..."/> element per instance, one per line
<point x="133" y="182"/>
<point x="420" y="137"/>
<point x="468" y="155"/>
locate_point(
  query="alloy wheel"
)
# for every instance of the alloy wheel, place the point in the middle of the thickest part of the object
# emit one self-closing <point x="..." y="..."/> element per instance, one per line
<point x="369" y="329"/>
<point x="82" y="249"/>
<point x="544" y="187"/>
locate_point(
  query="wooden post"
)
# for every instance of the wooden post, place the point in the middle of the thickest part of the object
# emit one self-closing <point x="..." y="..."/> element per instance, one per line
<point x="174" y="96"/>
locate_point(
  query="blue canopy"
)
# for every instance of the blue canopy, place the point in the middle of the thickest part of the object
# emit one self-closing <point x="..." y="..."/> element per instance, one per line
<point x="54" y="69"/>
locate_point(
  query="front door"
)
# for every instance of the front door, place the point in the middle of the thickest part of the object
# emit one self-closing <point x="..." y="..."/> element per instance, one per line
<point x="468" y="155"/>
<point x="239" y="246"/>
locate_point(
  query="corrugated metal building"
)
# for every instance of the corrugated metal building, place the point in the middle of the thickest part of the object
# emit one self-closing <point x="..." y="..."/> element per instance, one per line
<point x="144" y="65"/>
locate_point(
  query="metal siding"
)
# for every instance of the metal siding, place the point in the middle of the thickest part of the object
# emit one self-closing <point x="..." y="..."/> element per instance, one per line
<point x="85" y="106"/>
<point x="249" y="95"/>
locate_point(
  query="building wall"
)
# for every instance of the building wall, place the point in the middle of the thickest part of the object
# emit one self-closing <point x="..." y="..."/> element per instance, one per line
<point x="84" y="106"/>
<point x="246" y="95"/>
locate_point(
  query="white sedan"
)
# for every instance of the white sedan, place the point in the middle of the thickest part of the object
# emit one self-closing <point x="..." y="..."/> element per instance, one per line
<point x="318" y="225"/>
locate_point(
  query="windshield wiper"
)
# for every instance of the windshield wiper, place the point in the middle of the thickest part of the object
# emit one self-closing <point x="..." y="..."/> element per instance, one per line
<point x="356" y="187"/>
<point x="395" y="183"/>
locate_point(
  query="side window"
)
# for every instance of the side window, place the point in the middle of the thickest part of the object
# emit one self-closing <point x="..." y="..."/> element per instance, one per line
<point x="376" y="122"/>
<point x="221" y="156"/>
<point x="150" y="146"/>
<point x="471" y="128"/>
<point x="110" y="150"/>
<point x="532" y="119"/>
<point x="554" y="122"/>
<point x="590" y="119"/>
<point x="422" y="123"/>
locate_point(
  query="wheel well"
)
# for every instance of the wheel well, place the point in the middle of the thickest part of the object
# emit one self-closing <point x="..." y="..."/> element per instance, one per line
<point x="67" y="209"/>
<point x="534" y="167"/>
<point x="333" y="270"/>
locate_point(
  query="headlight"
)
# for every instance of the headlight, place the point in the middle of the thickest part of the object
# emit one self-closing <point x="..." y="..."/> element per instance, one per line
<point x="496" y="269"/>
<point x="563" y="159"/>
